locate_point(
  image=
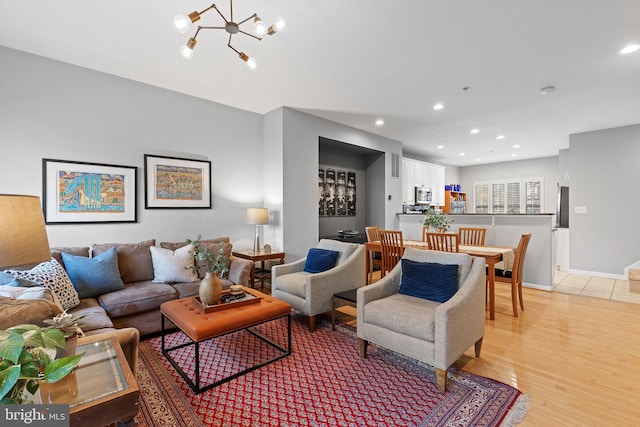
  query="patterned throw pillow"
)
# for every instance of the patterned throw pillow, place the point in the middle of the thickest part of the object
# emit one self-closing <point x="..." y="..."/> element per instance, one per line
<point x="51" y="275"/>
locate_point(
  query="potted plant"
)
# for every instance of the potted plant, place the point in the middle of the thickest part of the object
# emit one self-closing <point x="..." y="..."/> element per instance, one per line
<point x="216" y="265"/>
<point x="70" y="326"/>
<point x="28" y="355"/>
<point x="437" y="220"/>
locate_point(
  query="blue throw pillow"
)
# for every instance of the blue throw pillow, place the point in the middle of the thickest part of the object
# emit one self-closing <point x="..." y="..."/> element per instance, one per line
<point x="94" y="276"/>
<point x="429" y="280"/>
<point x="319" y="260"/>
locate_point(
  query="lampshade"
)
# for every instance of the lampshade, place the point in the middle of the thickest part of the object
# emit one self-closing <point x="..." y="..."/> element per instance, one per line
<point x="23" y="236"/>
<point x="258" y="216"/>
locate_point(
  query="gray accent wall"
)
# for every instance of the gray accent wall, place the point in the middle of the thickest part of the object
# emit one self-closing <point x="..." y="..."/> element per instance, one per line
<point x="604" y="177"/>
<point x="50" y="109"/>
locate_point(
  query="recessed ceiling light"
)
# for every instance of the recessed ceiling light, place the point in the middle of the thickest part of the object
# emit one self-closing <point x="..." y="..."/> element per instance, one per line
<point x="379" y="122"/>
<point x="516" y="146"/>
<point x="462" y="154"/>
<point x="478" y="159"/>
<point x="547" y="90"/>
<point x="440" y="147"/>
<point x="500" y="137"/>
<point x="629" y="49"/>
<point x="514" y="155"/>
<point x="438" y="106"/>
<point x="474" y="131"/>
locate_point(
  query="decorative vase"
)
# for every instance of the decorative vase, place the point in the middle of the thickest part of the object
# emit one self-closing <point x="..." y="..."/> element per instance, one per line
<point x="210" y="289"/>
<point x="71" y="344"/>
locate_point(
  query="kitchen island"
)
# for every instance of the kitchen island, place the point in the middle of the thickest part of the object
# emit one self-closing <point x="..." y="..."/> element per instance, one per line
<point x="504" y="230"/>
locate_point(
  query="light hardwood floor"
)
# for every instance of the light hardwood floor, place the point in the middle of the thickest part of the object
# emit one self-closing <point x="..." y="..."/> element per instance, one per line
<point x="577" y="356"/>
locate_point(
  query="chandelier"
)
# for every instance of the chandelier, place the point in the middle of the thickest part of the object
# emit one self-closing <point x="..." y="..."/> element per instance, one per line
<point x="183" y="24"/>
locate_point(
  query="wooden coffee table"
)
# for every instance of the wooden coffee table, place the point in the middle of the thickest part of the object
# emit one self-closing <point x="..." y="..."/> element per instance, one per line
<point x="201" y="326"/>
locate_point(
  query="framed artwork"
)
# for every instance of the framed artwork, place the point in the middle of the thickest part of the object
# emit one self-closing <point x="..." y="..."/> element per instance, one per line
<point x="336" y="192"/>
<point x="175" y="183"/>
<point x="83" y="193"/>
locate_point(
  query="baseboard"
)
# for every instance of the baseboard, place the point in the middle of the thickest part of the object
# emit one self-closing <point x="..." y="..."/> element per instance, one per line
<point x="597" y="274"/>
<point x="536" y="286"/>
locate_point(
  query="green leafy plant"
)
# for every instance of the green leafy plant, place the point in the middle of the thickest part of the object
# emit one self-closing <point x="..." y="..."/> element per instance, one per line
<point x="218" y="263"/>
<point x="27" y="355"/>
<point x="68" y="324"/>
<point x="437" y="220"/>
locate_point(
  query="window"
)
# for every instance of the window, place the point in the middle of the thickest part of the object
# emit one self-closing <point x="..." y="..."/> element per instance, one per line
<point x="509" y="196"/>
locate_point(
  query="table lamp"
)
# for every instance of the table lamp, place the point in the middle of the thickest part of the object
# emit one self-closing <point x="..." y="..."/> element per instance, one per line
<point x="23" y="236"/>
<point x="257" y="216"/>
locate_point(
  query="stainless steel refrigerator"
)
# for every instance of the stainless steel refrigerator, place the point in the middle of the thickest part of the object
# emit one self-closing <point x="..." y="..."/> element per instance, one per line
<point x="562" y="208"/>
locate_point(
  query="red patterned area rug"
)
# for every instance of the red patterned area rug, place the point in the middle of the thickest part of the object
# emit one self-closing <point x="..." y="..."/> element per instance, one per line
<point x="323" y="383"/>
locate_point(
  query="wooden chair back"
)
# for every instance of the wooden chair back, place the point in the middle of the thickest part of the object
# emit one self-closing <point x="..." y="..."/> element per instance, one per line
<point x="516" y="274"/>
<point x="392" y="249"/>
<point x="373" y="233"/>
<point x="446" y="242"/>
<point x="425" y="230"/>
<point x="472" y="236"/>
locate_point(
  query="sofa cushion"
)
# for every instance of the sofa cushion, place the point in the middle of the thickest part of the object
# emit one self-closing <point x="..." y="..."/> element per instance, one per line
<point x="189" y="289"/>
<point x="176" y="245"/>
<point x="429" y="280"/>
<point x="403" y="314"/>
<point x="294" y="283"/>
<point x="319" y="260"/>
<point x="94" y="276"/>
<point x="20" y="311"/>
<point x="173" y="266"/>
<point x="56" y="252"/>
<point x="50" y="274"/>
<point x="95" y="316"/>
<point x="136" y="298"/>
<point x="30" y="292"/>
<point x="134" y="259"/>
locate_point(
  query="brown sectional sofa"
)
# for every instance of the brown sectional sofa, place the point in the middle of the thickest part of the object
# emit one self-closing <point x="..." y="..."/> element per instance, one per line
<point x="138" y="304"/>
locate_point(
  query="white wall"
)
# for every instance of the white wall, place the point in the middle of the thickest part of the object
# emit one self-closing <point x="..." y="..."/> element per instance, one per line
<point x="300" y="140"/>
<point x="546" y="167"/>
<point x="49" y="109"/>
<point x="604" y="177"/>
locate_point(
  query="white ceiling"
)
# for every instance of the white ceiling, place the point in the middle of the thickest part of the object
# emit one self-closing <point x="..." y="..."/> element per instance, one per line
<point x="357" y="60"/>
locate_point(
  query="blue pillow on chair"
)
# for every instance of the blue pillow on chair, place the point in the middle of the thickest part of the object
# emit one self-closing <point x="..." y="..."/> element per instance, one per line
<point x="94" y="276"/>
<point x="319" y="260"/>
<point x="429" y="280"/>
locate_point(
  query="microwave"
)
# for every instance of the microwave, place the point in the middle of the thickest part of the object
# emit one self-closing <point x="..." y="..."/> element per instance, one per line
<point x="422" y="195"/>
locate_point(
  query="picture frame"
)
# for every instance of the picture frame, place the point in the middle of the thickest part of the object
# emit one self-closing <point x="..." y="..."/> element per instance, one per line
<point x="76" y="192"/>
<point x="177" y="183"/>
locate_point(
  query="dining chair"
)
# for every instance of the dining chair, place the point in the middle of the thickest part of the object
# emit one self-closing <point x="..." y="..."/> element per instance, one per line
<point x="514" y="277"/>
<point x="472" y="236"/>
<point x="446" y="242"/>
<point x="375" y="258"/>
<point x="392" y="249"/>
<point x="425" y="230"/>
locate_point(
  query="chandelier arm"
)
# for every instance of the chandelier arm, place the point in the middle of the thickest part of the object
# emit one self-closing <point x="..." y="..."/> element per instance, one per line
<point x="212" y="28"/>
<point x="249" y="34"/>
<point x="251" y="17"/>
<point x="231" y="8"/>
<point x="231" y="47"/>
<point x="221" y="15"/>
<point x="197" y="31"/>
<point x="207" y="9"/>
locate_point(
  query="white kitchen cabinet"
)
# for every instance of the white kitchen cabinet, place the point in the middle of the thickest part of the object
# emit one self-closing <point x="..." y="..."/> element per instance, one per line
<point x="416" y="173"/>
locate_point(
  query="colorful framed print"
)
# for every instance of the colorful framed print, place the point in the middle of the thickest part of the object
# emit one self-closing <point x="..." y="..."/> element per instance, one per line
<point x="175" y="183"/>
<point x="83" y="193"/>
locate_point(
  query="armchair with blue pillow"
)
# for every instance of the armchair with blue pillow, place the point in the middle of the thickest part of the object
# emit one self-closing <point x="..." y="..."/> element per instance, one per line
<point x="430" y="307"/>
<point x="308" y="284"/>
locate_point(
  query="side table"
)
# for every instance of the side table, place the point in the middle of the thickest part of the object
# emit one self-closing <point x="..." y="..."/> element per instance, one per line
<point x="102" y="390"/>
<point x="347" y="298"/>
<point x="260" y="274"/>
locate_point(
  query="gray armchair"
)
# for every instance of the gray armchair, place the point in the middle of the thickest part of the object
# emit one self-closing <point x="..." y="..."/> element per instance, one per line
<point x="431" y="332"/>
<point x="311" y="293"/>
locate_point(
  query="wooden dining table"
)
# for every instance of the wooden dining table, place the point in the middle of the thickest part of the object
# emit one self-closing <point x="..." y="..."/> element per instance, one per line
<point x="492" y="255"/>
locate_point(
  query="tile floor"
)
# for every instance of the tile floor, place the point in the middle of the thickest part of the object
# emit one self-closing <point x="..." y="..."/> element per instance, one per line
<point x="599" y="287"/>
